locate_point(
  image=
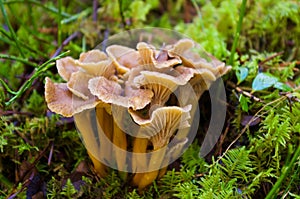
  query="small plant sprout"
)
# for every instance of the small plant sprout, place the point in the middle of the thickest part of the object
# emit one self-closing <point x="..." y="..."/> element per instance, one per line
<point x="131" y="105"/>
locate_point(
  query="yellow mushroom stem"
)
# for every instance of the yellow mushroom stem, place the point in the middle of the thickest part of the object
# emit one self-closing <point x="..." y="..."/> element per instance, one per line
<point x="105" y="130"/>
<point x="99" y="167"/>
<point x="139" y="159"/>
<point x="162" y="172"/>
<point x="120" y="140"/>
<point x="83" y="124"/>
<point x="157" y="157"/>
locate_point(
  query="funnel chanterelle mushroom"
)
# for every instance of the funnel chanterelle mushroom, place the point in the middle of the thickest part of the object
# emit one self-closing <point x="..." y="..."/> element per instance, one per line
<point x="140" y="80"/>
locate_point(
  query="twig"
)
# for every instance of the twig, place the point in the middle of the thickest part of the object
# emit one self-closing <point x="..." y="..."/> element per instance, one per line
<point x="238" y="89"/>
<point x="50" y="154"/>
<point x="222" y="138"/>
<point x="6" y="113"/>
<point x="95" y="8"/>
<point x="270" y="58"/>
<point x="29" y="169"/>
<point x="104" y="43"/>
<point x="64" y="43"/>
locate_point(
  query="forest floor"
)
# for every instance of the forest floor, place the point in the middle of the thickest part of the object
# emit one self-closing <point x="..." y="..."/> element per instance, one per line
<point x="258" y="152"/>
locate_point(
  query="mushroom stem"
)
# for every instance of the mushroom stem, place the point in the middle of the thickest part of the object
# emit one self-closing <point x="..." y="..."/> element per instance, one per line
<point x="162" y="172"/>
<point x="120" y="140"/>
<point x="139" y="158"/>
<point x="155" y="162"/>
<point x="99" y="167"/>
<point x="83" y="120"/>
<point x="104" y="133"/>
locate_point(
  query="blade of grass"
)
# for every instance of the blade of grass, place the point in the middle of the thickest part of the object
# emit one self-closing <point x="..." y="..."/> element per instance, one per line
<point x="7" y="87"/>
<point x="24" y="45"/>
<point x="198" y="13"/>
<point x="59" y="24"/>
<point x="42" y="68"/>
<point x="31" y="18"/>
<point x="285" y="171"/>
<point x="84" y="13"/>
<point x="38" y="3"/>
<point x="14" y="36"/>
<point x="5" y="181"/>
<point x="238" y="31"/>
<point x="11" y="57"/>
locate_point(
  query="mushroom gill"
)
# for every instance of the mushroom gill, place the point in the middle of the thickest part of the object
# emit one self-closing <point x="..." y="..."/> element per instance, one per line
<point x="162" y="125"/>
<point x="162" y="85"/>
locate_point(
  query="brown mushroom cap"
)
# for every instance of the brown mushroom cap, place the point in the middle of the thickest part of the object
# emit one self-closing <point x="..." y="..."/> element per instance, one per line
<point x="111" y="92"/>
<point x="78" y="84"/>
<point x="123" y="57"/>
<point x="162" y="124"/>
<point x="65" y="67"/>
<point x="96" y="63"/>
<point x="92" y="56"/>
<point x="62" y="101"/>
<point x="185" y="49"/>
<point x="157" y="58"/>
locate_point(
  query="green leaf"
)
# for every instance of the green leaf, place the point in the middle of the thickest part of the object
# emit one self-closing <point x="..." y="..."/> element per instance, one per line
<point x="244" y="102"/>
<point x="241" y="74"/>
<point x="263" y="81"/>
<point x="282" y="86"/>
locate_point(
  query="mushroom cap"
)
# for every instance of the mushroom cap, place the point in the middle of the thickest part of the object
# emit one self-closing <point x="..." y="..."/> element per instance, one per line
<point x="163" y="123"/>
<point x="104" y="68"/>
<point x="92" y="56"/>
<point x="186" y="49"/>
<point x="65" y="67"/>
<point x="96" y="63"/>
<point x="111" y="92"/>
<point x="161" y="84"/>
<point x="157" y="58"/>
<point x="62" y="101"/>
<point x="123" y="57"/>
<point x="78" y="84"/>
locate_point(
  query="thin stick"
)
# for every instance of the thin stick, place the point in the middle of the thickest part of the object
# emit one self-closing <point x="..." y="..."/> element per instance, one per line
<point x="95" y="8"/>
<point x="238" y="89"/>
<point x="270" y="58"/>
<point x="64" y="43"/>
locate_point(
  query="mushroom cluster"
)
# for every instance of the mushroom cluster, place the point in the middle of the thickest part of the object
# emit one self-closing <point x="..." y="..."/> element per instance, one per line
<point x="151" y="87"/>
